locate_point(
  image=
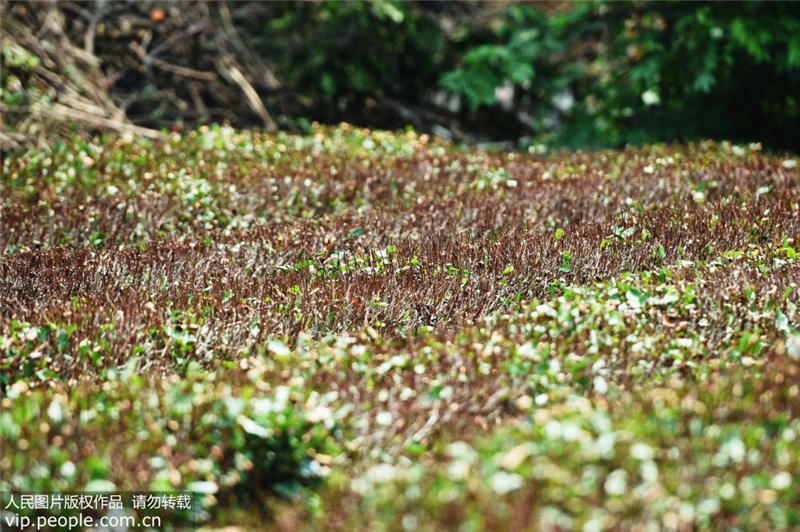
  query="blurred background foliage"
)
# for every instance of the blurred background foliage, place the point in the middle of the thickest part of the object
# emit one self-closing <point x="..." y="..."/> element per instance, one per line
<point x="586" y="74"/>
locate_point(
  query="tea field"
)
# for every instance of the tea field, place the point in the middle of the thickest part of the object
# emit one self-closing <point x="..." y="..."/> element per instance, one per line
<point x="364" y="330"/>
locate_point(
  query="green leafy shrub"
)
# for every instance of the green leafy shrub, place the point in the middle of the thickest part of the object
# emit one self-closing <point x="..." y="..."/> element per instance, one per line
<point x="188" y="434"/>
<point x="616" y="72"/>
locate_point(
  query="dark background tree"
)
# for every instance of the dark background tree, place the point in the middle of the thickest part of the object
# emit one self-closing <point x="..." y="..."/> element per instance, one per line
<point x="584" y="74"/>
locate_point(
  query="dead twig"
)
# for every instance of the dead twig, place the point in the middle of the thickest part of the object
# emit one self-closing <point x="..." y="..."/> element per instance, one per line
<point x="91" y="31"/>
<point x="229" y="69"/>
<point x="202" y="110"/>
<point x="185" y="72"/>
<point x="62" y="112"/>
